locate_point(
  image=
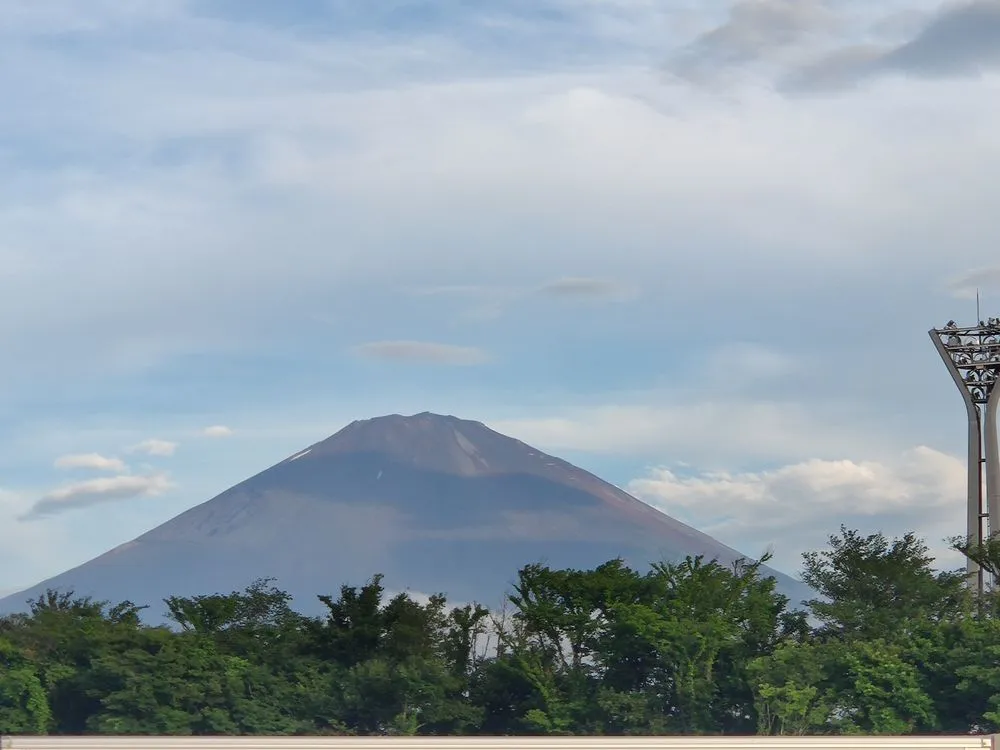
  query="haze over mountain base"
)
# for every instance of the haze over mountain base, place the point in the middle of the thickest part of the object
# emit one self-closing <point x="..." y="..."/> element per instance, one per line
<point x="435" y="503"/>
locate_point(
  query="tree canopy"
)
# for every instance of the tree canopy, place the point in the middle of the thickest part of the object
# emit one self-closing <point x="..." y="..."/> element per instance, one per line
<point x="890" y="645"/>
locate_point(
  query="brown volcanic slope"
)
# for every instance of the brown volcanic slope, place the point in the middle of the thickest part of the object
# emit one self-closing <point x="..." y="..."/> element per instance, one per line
<point x="435" y="503"/>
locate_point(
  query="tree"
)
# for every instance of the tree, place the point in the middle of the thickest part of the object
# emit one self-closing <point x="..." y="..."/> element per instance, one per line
<point x="871" y="586"/>
<point x="690" y="637"/>
<point x="24" y="704"/>
<point x="687" y="647"/>
<point x="832" y="687"/>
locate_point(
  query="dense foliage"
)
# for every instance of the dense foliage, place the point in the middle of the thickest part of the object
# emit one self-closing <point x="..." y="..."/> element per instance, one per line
<point x="889" y="646"/>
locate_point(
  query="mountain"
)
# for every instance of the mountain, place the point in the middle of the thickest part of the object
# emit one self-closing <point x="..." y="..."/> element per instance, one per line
<point x="436" y="503"/>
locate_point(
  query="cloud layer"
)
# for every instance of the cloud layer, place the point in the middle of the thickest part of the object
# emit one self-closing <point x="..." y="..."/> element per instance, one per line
<point x="424" y="352"/>
<point x="96" y="492"/>
<point x="801" y="43"/>
<point x="773" y="193"/>
<point x="795" y="507"/>
<point x="702" y="432"/>
<point x="585" y="288"/>
<point x="155" y="447"/>
<point x="90" y="461"/>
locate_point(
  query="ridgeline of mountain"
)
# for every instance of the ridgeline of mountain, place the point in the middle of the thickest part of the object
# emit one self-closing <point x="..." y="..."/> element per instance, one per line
<point x="436" y="503"/>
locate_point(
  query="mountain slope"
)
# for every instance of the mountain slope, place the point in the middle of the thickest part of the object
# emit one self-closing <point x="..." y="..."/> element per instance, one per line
<point x="435" y="503"/>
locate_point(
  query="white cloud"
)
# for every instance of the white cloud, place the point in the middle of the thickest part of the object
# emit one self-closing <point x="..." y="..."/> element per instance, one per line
<point x="745" y="361"/>
<point x="604" y="168"/>
<point x="690" y="427"/>
<point x="90" y="461"/>
<point x="491" y="302"/>
<point x="424" y="352"/>
<point x="795" y="508"/>
<point x="155" y="447"/>
<point x="95" y="492"/>
<point x="7" y="498"/>
<point x="217" y="431"/>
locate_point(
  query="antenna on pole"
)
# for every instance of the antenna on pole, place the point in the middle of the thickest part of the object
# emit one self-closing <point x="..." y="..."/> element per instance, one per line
<point x="978" y="318"/>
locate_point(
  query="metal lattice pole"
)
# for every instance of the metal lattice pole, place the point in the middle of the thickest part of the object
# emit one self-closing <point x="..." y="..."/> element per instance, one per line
<point x="972" y="356"/>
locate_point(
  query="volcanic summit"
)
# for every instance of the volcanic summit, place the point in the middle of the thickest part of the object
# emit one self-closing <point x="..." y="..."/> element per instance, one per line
<point x="436" y="503"/>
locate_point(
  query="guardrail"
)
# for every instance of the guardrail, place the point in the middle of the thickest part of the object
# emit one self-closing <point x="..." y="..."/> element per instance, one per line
<point x="97" y="742"/>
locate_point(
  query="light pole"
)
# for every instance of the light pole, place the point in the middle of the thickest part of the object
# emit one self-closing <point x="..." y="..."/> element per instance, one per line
<point x="972" y="356"/>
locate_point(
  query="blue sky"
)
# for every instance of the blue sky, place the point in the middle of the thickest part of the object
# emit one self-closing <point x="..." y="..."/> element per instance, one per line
<point x="692" y="247"/>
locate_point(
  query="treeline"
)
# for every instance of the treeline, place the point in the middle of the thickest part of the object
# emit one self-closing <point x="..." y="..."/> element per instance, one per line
<point x="890" y="646"/>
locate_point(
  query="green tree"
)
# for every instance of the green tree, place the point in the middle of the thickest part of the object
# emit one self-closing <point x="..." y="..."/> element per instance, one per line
<point x="690" y="637"/>
<point x="24" y="703"/>
<point x="689" y="647"/>
<point x="872" y="586"/>
<point x="62" y="634"/>
<point x="834" y="687"/>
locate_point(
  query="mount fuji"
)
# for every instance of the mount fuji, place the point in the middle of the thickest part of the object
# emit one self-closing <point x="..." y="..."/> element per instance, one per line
<point x="435" y="503"/>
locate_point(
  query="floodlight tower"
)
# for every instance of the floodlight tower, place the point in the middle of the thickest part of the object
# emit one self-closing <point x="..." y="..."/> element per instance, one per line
<point x="972" y="356"/>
